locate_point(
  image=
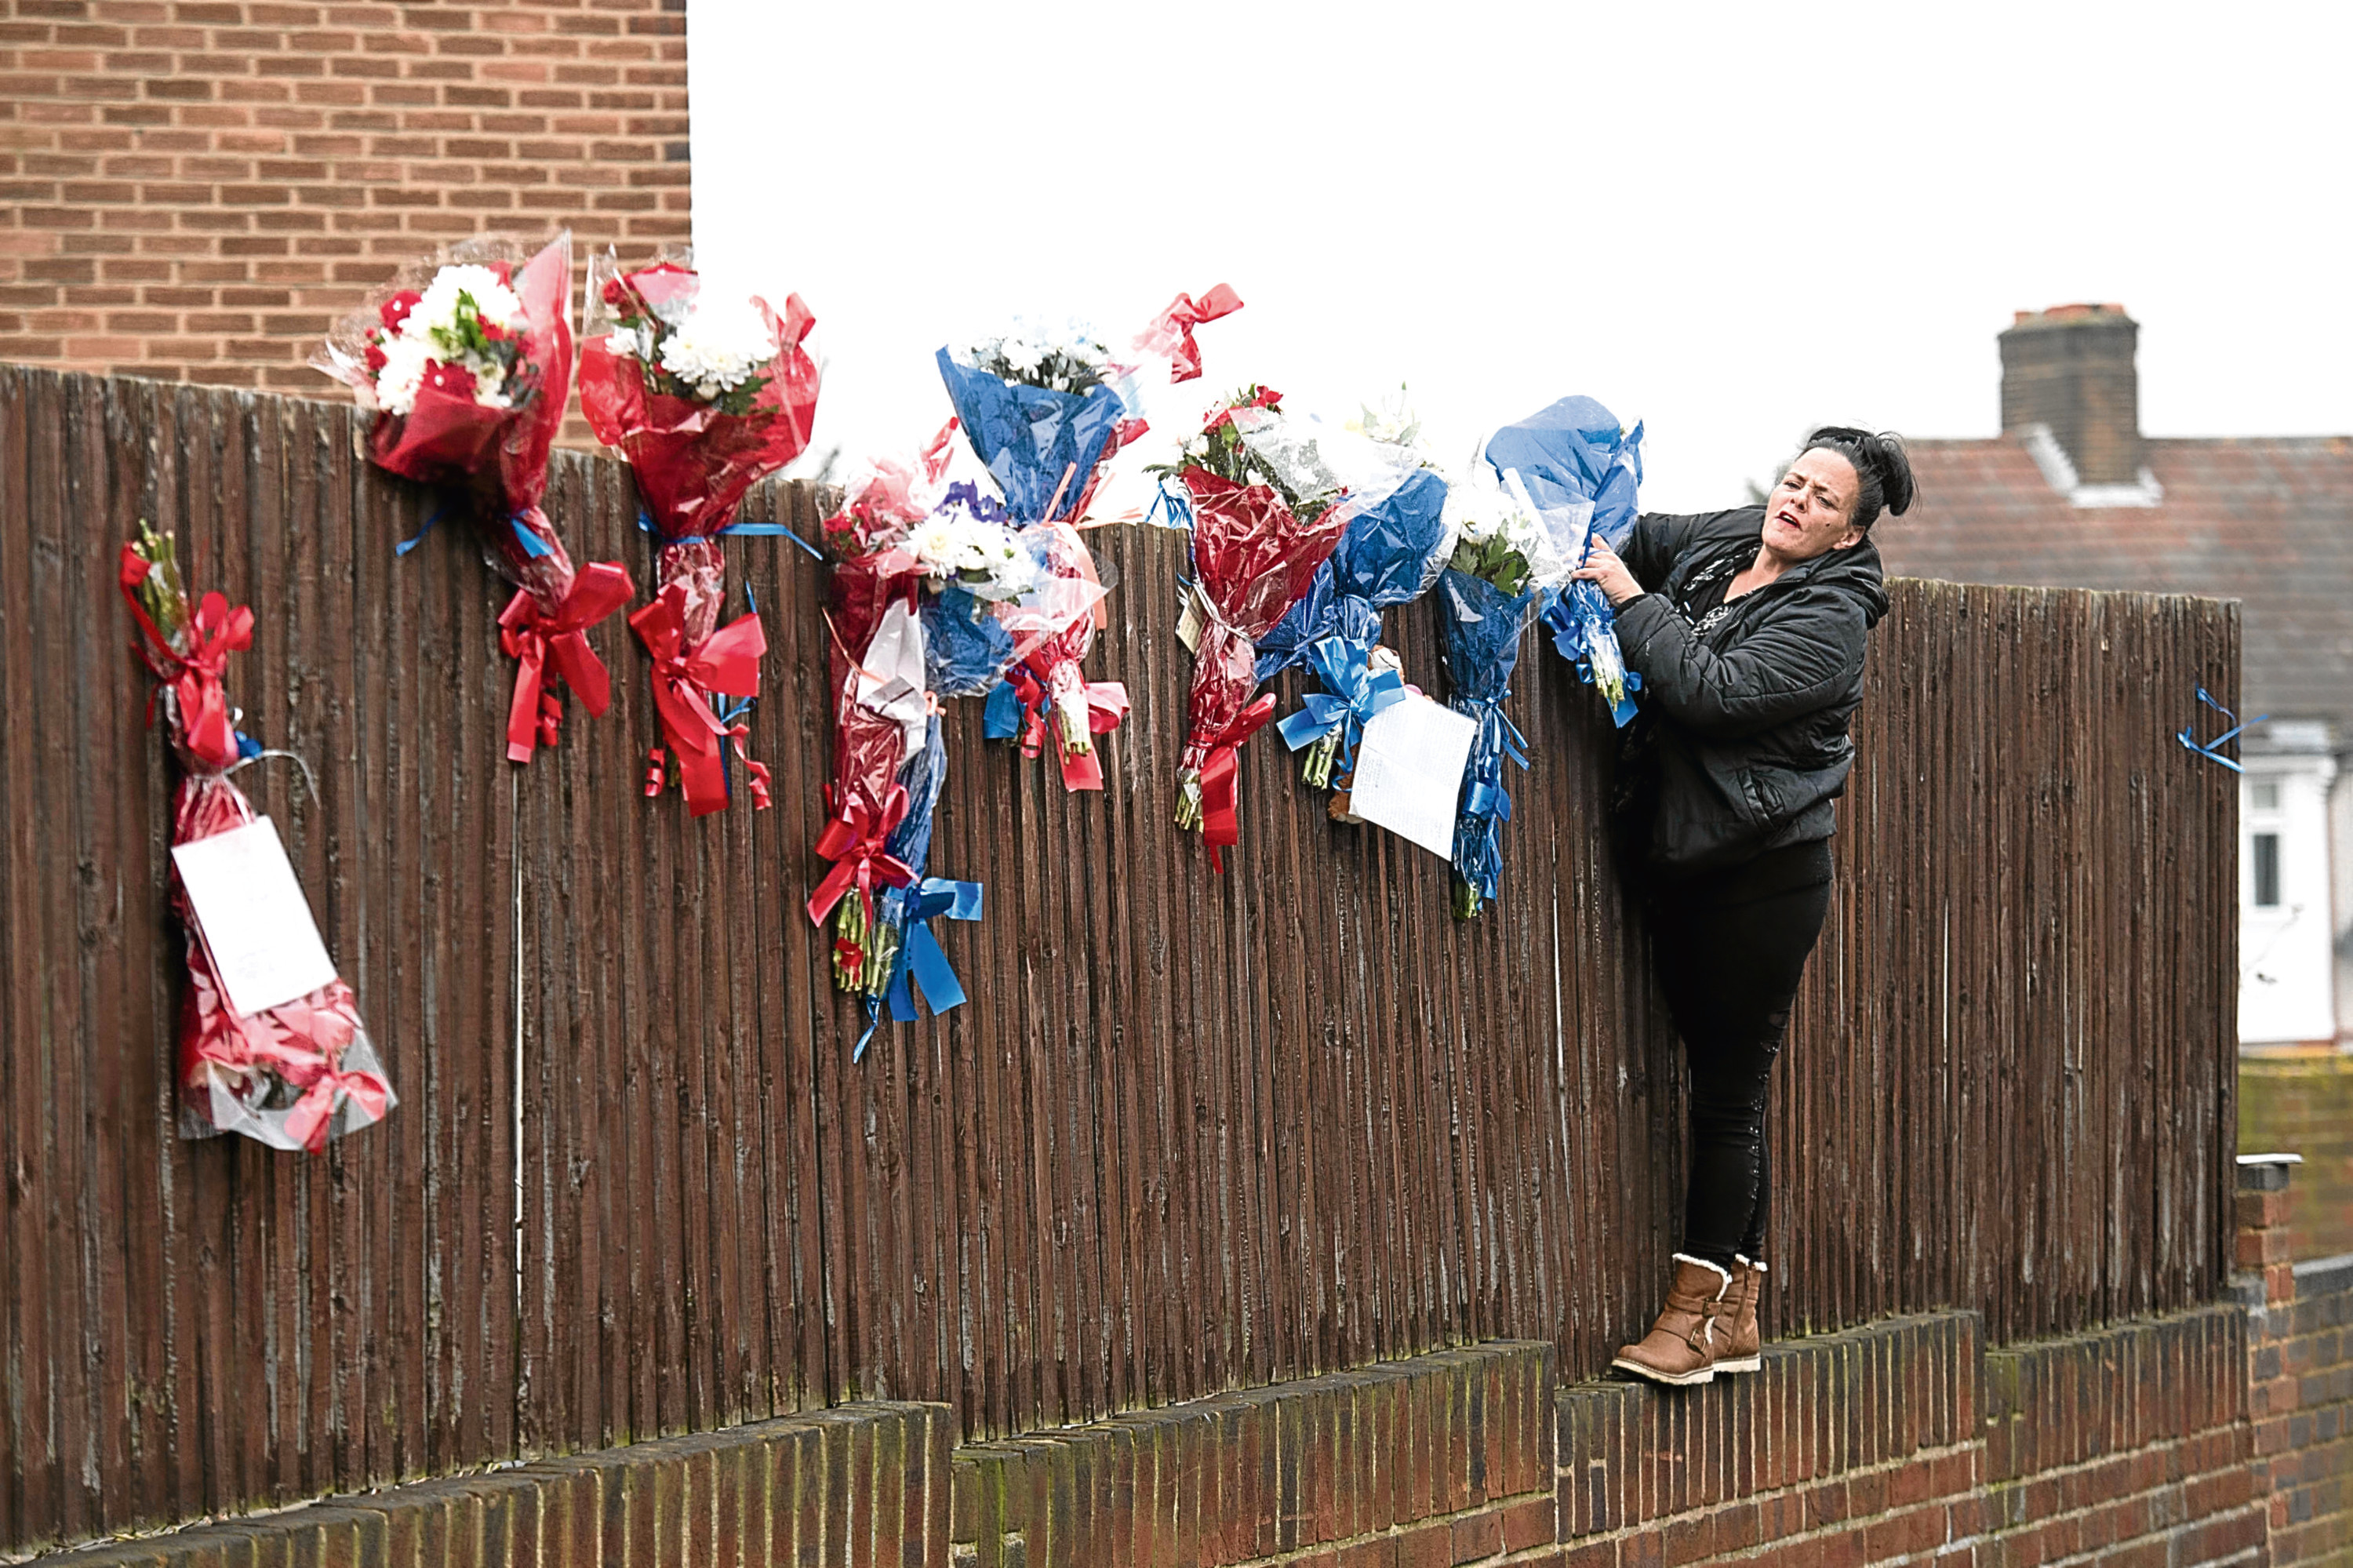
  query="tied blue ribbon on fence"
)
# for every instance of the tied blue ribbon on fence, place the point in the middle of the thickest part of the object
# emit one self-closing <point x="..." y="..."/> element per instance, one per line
<point x="1352" y="695"/>
<point x="528" y="537"/>
<point x="2211" y="750"/>
<point x="1486" y="804"/>
<point x="923" y="967"/>
<point x="734" y="530"/>
<point x="418" y="538"/>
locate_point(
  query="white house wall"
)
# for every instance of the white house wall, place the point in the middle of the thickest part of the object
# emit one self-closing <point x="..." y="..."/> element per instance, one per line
<point x="2288" y="951"/>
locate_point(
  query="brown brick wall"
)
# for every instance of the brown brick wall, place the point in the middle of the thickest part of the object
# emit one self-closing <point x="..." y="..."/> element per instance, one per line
<point x="2219" y="1436"/>
<point x="195" y="190"/>
<point x="1904" y="1441"/>
<point x="864" y="1485"/>
<point x="2304" y="1104"/>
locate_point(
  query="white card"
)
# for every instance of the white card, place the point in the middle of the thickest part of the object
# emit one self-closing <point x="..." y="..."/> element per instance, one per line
<point x="1190" y="624"/>
<point x="253" y="917"/>
<point x="1409" y="768"/>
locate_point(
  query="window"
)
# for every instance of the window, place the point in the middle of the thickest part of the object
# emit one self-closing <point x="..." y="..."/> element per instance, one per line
<point x="2267" y="871"/>
<point x="2263" y="794"/>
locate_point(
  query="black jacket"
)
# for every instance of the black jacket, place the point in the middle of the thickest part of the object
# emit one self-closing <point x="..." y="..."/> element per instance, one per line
<point x="1742" y="743"/>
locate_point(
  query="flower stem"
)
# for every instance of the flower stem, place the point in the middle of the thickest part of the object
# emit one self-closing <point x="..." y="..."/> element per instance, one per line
<point x="1320" y="757"/>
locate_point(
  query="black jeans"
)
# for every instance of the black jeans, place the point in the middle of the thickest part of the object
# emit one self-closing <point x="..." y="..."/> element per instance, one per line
<point x="1729" y="947"/>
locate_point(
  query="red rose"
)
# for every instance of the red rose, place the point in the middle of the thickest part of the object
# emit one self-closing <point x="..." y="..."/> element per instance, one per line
<point x="613" y="291"/>
<point x="375" y="359"/>
<point x="493" y="333"/>
<point x="396" y="309"/>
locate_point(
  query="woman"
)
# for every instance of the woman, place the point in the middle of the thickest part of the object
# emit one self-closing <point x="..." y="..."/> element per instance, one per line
<point x="1747" y="627"/>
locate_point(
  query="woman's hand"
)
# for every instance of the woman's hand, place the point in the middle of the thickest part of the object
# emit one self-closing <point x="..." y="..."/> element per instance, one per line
<point x="1603" y="568"/>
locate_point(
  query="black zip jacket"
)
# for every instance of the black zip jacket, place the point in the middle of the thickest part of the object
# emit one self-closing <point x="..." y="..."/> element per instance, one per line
<point x="1742" y="744"/>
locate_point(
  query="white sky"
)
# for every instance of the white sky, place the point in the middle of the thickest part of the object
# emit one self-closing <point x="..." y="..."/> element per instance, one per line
<point x="1732" y="221"/>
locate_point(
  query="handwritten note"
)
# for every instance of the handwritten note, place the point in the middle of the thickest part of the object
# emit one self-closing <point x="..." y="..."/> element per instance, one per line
<point x="1410" y="771"/>
<point x="256" y="923"/>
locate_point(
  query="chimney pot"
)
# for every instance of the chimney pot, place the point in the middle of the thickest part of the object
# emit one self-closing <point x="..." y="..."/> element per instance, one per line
<point x="2071" y="368"/>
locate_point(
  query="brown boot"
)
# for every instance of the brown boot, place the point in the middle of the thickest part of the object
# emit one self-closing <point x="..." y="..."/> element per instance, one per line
<point x="1739" y="1348"/>
<point x="1680" y="1350"/>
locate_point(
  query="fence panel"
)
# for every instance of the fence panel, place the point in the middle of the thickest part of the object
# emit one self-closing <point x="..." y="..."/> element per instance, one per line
<point x="1191" y="1132"/>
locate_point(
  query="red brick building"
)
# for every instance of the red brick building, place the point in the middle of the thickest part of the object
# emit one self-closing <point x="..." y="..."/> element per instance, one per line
<point x="2072" y="495"/>
<point x="195" y="188"/>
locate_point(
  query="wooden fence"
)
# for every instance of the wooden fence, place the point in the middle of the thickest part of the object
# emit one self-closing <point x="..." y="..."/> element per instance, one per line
<point x="1192" y="1131"/>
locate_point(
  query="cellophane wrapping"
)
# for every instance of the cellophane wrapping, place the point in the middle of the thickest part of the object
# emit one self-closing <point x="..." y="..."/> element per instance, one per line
<point x="479" y="423"/>
<point x="1479" y="630"/>
<point x="1574" y="453"/>
<point x="704" y="396"/>
<point x="1046" y="698"/>
<point x="1253" y="556"/>
<point x="874" y="581"/>
<point x="1397" y="541"/>
<point x="296" y="1076"/>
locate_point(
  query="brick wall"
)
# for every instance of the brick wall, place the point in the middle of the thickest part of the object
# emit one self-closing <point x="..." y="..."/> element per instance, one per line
<point x="2222" y="1435"/>
<point x="1442" y="1459"/>
<point x="2300" y="1372"/>
<point x="2304" y="1104"/>
<point x="194" y="190"/>
<point x="839" y="1488"/>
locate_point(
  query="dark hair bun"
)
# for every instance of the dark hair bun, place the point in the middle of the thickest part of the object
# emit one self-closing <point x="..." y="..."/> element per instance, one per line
<point x="1880" y="463"/>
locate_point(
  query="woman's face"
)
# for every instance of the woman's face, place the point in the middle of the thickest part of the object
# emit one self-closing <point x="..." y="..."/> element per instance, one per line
<point x="1806" y="514"/>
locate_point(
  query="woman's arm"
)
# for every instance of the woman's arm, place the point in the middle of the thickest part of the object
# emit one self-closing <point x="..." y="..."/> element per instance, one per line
<point x="1659" y="539"/>
<point x="1803" y="656"/>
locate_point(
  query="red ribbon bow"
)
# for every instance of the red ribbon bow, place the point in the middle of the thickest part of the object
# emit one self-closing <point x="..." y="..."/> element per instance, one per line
<point x="1220" y="825"/>
<point x="302" y="1042"/>
<point x="325" y="1084"/>
<point x="215" y="632"/>
<point x="1172" y="334"/>
<point x="854" y="842"/>
<point x="728" y="661"/>
<point x="534" y="638"/>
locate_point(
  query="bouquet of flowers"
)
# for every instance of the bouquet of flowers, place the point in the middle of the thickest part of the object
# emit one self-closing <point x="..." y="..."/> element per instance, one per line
<point x="291" y="1075"/>
<point x="705" y="396"/>
<point x="1047" y="687"/>
<point x="1508" y="559"/>
<point x="1045" y="407"/>
<point x="466" y="366"/>
<point x="1258" y="542"/>
<point x="1398" y="538"/>
<point x="1041" y="410"/>
<point x="935" y="593"/>
<point x="1574" y="457"/>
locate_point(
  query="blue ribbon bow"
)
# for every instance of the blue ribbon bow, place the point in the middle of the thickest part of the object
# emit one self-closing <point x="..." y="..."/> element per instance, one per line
<point x="1352" y="695"/>
<point x="921" y="965"/>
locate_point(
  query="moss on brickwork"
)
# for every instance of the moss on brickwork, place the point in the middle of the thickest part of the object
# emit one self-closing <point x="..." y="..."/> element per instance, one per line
<point x="2304" y="1106"/>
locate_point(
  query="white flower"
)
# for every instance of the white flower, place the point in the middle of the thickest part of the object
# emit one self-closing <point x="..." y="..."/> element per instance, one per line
<point x="723" y="344"/>
<point x="405" y="359"/>
<point x="493" y="301"/>
<point x="1022" y="355"/>
<point x="934" y="542"/>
